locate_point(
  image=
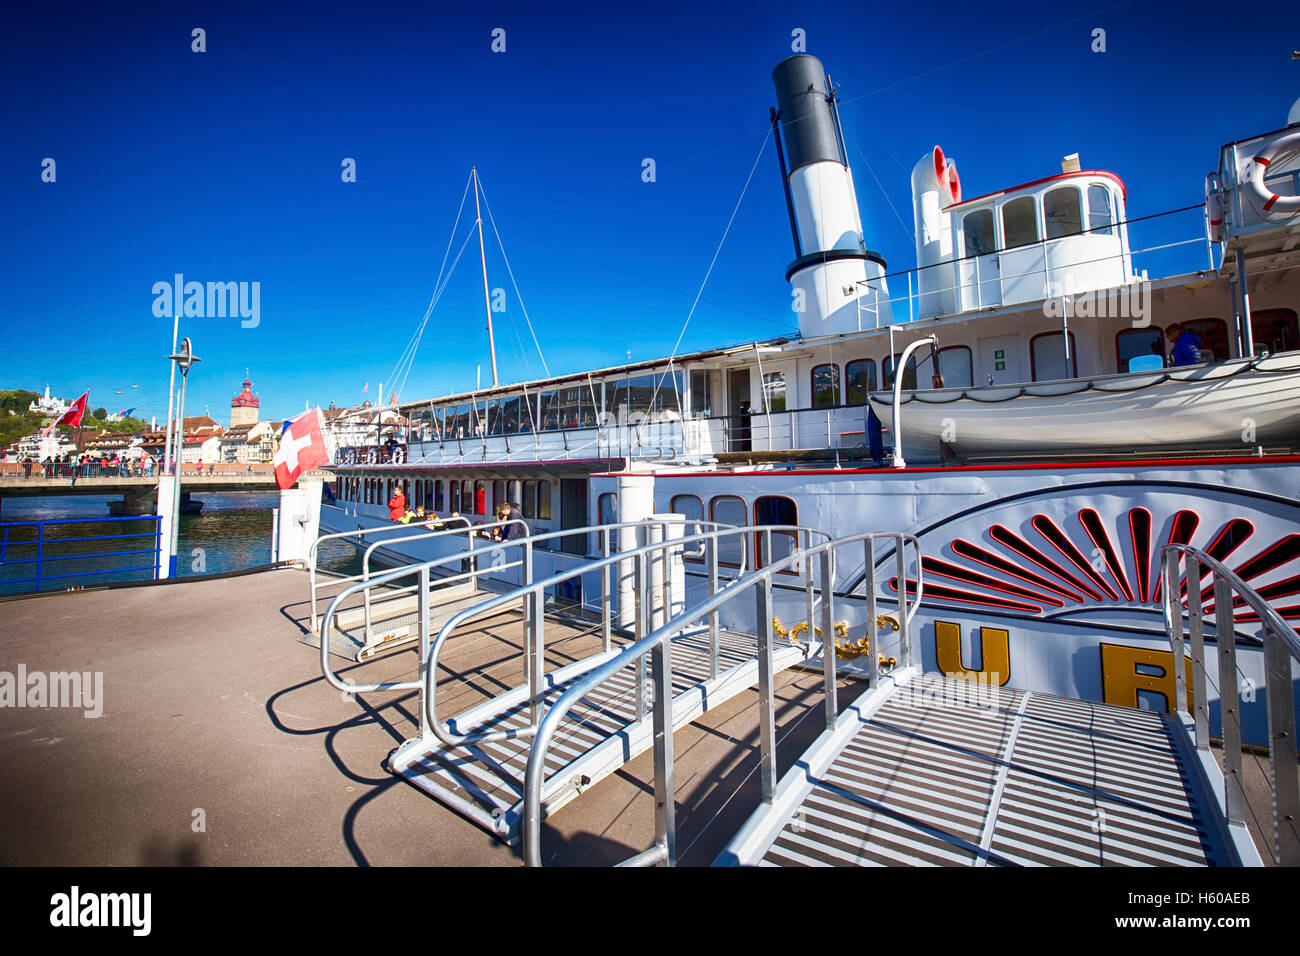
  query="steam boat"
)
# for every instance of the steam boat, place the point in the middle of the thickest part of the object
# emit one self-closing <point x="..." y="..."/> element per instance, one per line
<point x="1009" y="402"/>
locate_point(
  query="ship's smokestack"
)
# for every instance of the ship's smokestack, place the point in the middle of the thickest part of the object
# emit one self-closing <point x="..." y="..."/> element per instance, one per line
<point x="838" y="284"/>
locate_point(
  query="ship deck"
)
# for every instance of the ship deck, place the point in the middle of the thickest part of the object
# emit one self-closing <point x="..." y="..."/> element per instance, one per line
<point x="211" y="703"/>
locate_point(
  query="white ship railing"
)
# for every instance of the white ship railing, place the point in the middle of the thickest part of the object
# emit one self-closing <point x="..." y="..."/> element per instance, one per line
<point x="1281" y="649"/>
<point x="820" y="605"/>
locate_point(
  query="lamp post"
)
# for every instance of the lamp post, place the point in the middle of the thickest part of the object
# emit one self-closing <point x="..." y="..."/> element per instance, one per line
<point x="185" y="359"/>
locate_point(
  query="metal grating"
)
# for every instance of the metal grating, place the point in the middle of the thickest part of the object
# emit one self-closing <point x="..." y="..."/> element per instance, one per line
<point x="947" y="773"/>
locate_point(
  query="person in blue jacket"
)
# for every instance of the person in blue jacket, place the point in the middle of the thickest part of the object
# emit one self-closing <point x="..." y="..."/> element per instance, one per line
<point x="1186" y="345"/>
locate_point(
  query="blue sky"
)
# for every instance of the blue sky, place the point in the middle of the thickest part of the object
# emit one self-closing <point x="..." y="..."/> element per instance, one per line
<point x="225" y="166"/>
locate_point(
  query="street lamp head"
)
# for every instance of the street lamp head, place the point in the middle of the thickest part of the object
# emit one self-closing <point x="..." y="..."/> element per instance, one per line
<point x="185" y="356"/>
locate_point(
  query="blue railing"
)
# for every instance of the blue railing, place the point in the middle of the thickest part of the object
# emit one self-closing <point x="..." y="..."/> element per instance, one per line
<point x="15" y="538"/>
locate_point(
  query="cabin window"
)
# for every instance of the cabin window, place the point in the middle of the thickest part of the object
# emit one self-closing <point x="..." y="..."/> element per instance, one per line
<point x="1133" y="344"/>
<point x="774" y="391"/>
<point x="529" y="505"/>
<point x="1100" y="218"/>
<point x="1047" y="357"/>
<point x="606" y="513"/>
<point x="438" y="500"/>
<point x="549" y="407"/>
<point x="1214" y="338"/>
<point x="495" y="417"/>
<point x="418" y="498"/>
<point x="692" y="509"/>
<point x="1062" y="212"/>
<point x="955" y="366"/>
<point x="455" y="496"/>
<point x="480" y="497"/>
<point x="701" y="393"/>
<point x="510" y="415"/>
<point x="544" y="501"/>
<point x="977" y="228"/>
<point x="779" y="510"/>
<point x="825" y="386"/>
<point x="909" y="373"/>
<point x="729" y="510"/>
<point x="1019" y="222"/>
<point x="467" y="496"/>
<point x="574" y="408"/>
<point x="514" y="493"/>
<point x="861" y="375"/>
<point x="498" y="495"/>
<point x="1274" y="330"/>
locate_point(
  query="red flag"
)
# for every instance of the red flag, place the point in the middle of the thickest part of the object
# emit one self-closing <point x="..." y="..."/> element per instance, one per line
<point x="73" y="415"/>
<point x="302" y="448"/>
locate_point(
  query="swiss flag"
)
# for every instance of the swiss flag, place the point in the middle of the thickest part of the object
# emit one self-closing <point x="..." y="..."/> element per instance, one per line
<point x="73" y="415"/>
<point x="302" y="448"/>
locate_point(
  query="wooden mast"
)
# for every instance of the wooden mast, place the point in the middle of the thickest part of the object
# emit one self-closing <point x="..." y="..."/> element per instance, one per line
<point x="487" y="305"/>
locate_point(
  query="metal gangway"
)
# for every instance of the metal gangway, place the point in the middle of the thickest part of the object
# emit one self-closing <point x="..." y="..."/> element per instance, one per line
<point x="925" y="769"/>
<point x="475" y="760"/>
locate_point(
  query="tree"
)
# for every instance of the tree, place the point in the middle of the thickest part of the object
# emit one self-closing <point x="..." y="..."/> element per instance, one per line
<point x="99" y="414"/>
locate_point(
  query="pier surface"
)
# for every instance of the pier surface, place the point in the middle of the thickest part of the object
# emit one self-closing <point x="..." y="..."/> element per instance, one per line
<point x="221" y="744"/>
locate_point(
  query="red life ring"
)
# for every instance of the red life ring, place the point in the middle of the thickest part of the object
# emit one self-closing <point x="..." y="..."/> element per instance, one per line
<point x="1268" y="201"/>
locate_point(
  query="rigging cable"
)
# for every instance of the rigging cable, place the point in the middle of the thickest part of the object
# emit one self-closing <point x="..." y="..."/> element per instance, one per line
<point x="716" y="252"/>
<point x="487" y="206"/>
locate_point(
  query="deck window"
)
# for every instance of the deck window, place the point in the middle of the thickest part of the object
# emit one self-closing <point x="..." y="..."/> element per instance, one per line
<point x="529" y="504"/>
<point x="1274" y="330"/>
<point x="861" y="375"/>
<point x="692" y="509"/>
<point x="1214" y="338"/>
<point x="544" y="501"/>
<point x="549" y="411"/>
<point x="729" y="510"/>
<point x="909" y="373"/>
<point x="1100" y="217"/>
<point x="701" y="393"/>
<point x="825" y="386"/>
<point x="1019" y="222"/>
<point x="455" y="496"/>
<point x="438" y="500"/>
<point x="977" y="228"/>
<point x="1047" y="357"/>
<point x="1062" y="212"/>
<point x="1133" y="344"/>
<point x="774" y="391"/>
<point x="480" y="497"/>
<point x="955" y="366"/>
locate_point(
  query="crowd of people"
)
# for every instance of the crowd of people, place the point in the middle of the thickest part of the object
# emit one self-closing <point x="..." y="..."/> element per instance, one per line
<point x="89" y="466"/>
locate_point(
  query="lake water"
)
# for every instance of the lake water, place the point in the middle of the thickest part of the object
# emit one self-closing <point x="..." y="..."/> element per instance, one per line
<point x="232" y="532"/>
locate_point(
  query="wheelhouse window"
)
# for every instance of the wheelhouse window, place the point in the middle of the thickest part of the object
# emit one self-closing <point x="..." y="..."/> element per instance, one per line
<point x="1145" y="345"/>
<point x="729" y="510"/>
<point x="1274" y="330"/>
<point x="1062" y="212"/>
<point x="770" y="510"/>
<point x="1019" y="222"/>
<point x="861" y="376"/>
<point x="909" y="373"/>
<point x="825" y="386"/>
<point x="1100" y="217"/>
<point x="955" y="366"/>
<point x="1047" y="357"/>
<point x="977" y="230"/>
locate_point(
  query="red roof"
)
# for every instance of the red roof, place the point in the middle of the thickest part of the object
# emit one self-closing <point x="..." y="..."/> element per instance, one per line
<point x="246" y="398"/>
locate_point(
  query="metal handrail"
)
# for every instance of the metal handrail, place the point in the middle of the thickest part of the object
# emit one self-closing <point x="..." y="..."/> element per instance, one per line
<point x="423" y="569"/>
<point x="658" y="646"/>
<point x="40" y="543"/>
<point x="1281" y="647"/>
<point x="534" y="640"/>
<point x="361" y="533"/>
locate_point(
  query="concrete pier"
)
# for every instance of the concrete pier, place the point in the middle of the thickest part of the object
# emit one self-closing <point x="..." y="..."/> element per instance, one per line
<point x="220" y="743"/>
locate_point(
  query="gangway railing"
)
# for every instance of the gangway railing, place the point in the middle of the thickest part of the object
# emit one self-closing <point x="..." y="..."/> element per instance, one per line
<point x="1281" y="648"/>
<point x="820" y="603"/>
<point x="423" y="571"/>
<point x="646" y="612"/>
